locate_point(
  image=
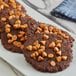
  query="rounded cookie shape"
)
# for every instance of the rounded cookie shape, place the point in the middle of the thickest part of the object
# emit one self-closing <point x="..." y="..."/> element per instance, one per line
<point x="48" y="52"/>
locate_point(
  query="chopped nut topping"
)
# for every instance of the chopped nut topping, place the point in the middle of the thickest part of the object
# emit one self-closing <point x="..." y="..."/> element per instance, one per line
<point x="7" y="30"/>
<point x="36" y="43"/>
<point x="22" y="15"/>
<point x="3" y="19"/>
<point x="46" y="31"/>
<point x="42" y="47"/>
<point x="46" y="36"/>
<point x="42" y="26"/>
<point x="43" y="42"/>
<point x="38" y="46"/>
<point x="25" y="37"/>
<point x="58" y="45"/>
<point x="52" y="63"/>
<point x="11" y="12"/>
<point x="40" y="58"/>
<point x="58" y="59"/>
<point x="64" y="57"/>
<point x="39" y="29"/>
<point x="50" y="55"/>
<point x="9" y="35"/>
<point x="20" y="35"/>
<point x="36" y="53"/>
<point x="22" y="47"/>
<point x="18" y="22"/>
<point x="11" y="17"/>
<point x="58" y="41"/>
<point x="22" y="39"/>
<point x="10" y="41"/>
<point x="58" y="52"/>
<point x="66" y="37"/>
<point x="52" y="45"/>
<point x="56" y="49"/>
<point x="44" y="54"/>
<point x="34" y="48"/>
<point x="33" y="56"/>
<point x="18" y="7"/>
<point x="40" y="51"/>
<point x="29" y="47"/>
<point x="16" y="26"/>
<point x="50" y="28"/>
<point x="14" y="37"/>
<point x="7" y="26"/>
<point x="24" y="26"/>
<point x="22" y="32"/>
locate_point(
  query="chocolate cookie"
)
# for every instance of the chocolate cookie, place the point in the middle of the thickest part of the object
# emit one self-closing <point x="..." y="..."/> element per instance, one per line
<point x="48" y="52"/>
<point x="16" y="32"/>
<point x="8" y="9"/>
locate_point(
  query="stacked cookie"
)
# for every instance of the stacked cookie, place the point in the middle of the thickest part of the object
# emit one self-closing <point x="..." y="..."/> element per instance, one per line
<point x="44" y="46"/>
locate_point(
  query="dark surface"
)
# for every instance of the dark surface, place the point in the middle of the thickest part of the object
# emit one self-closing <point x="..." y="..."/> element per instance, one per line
<point x="44" y="65"/>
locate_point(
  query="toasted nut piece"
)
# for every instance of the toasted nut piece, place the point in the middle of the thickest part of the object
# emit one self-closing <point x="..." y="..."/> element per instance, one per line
<point x="50" y="55"/>
<point x="66" y="37"/>
<point x="36" y="42"/>
<point x="58" y="52"/>
<point x="9" y="35"/>
<point x="23" y="15"/>
<point x="55" y="33"/>
<point x="18" y="7"/>
<point x="58" y="59"/>
<point x="7" y="26"/>
<point x="44" y="54"/>
<point x="6" y="5"/>
<point x="17" y="13"/>
<point x="46" y="36"/>
<point x="64" y="57"/>
<point x="7" y="30"/>
<point x="11" y="17"/>
<point x="38" y="46"/>
<point x="63" y="35"/>
<point x="36" y="53"/>
<point x="43" y="42"/>
<point x="56" y="49"/>
<point x="11" y="12"/>
<point x="39" y="29"/>
<point x="22" y="47"/>
<point x="29" y="47"/>
<point x="46" y="28"/>
<point x="20" y="35"/>
<point x="24" y="26"/>
<point x="25" y="37"/>
<point x="42" y="47"/>
<point x="22" y="32"/>
<point x="14" y="37"/>
<point x="46" y="31"/>
<point x="42" y="26"/>
<point x="50" y="28"/>
<point x="10" y="41"/>
<point x="40" y="58"/>
<point x="3" y="19"/>
<point x="18" y="22"/>
<point x="34" y="48"/>
<point x="16" y="26"/>
<point x="17" y="44"/>
<point x="52" y="63"/>
<point x="22" y="39"/>
<point x="58" y="41"/>
<point x="1" y="7"/>
<point x="33" y="56"/>
<point x="58" y="45"/>
<point x="52" y="45"/>
<point x="40" y="51"/>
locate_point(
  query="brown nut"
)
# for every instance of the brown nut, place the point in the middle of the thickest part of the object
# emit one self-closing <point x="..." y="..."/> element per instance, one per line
<point x="64" y="57"/>
<point x="50" y="55"/>
<point x="22" y="39"/>
<point x="11" y="12"/>
<point x="16" y="26"/>
<point x="46" y="31"/>
<point x="36" y="43"/>
<point x="22" y="46"/>
<point x="7" y="30"/>
<point x="22" y="32"/>
<point x="18" y="7"/>
<point x="18" y="22"/>
<point x="34" y="48"/>
<point x="43" y="42"/>
<point x="14" y="37"/>
<point x="29" y="47"/>
<point x="52" y="63"/>
<point x="44" y="54"/>
<point x="9" y="35"/>
<point x="66" y="37"/>
<point x="10" y="41"/>
<point x="59" y="53"/>
<point x="20" y="35"/>
<point x="39" y="29"/>
<point x="26" y="37"/>
<point x="50" y="28"/>
<point x="40" y="58"/>
<point x="1" y="7"/>
<point x="11" y="17"/>
<point x="7" y="26"/>
<point x="42" y="47"/>
<point x="58" y="59"/>
<point x="36" y="53"/>
<point x="58" y="45"/>
<point x="40" y="51"/>
<point x="3" y="19"/>
<point x="33" y="56"/>
<point x="24" y="26"/>
<point x="22" y="15"/>
<point x="37" y="46"/>
<point x="17" y="44"/>
<point x="52" y="45"/>
<point x="45" y="36"/>
<point x="58" y="41"/>
<point x="56" y="49"/>
<point x="42" y="26"/>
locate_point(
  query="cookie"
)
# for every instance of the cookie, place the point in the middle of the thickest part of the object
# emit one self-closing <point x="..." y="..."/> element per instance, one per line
<point x="8" y="8"/>
<point x="49" y="29"/>
<point x="48" y="52"/>
<point x="16" y="32"/>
